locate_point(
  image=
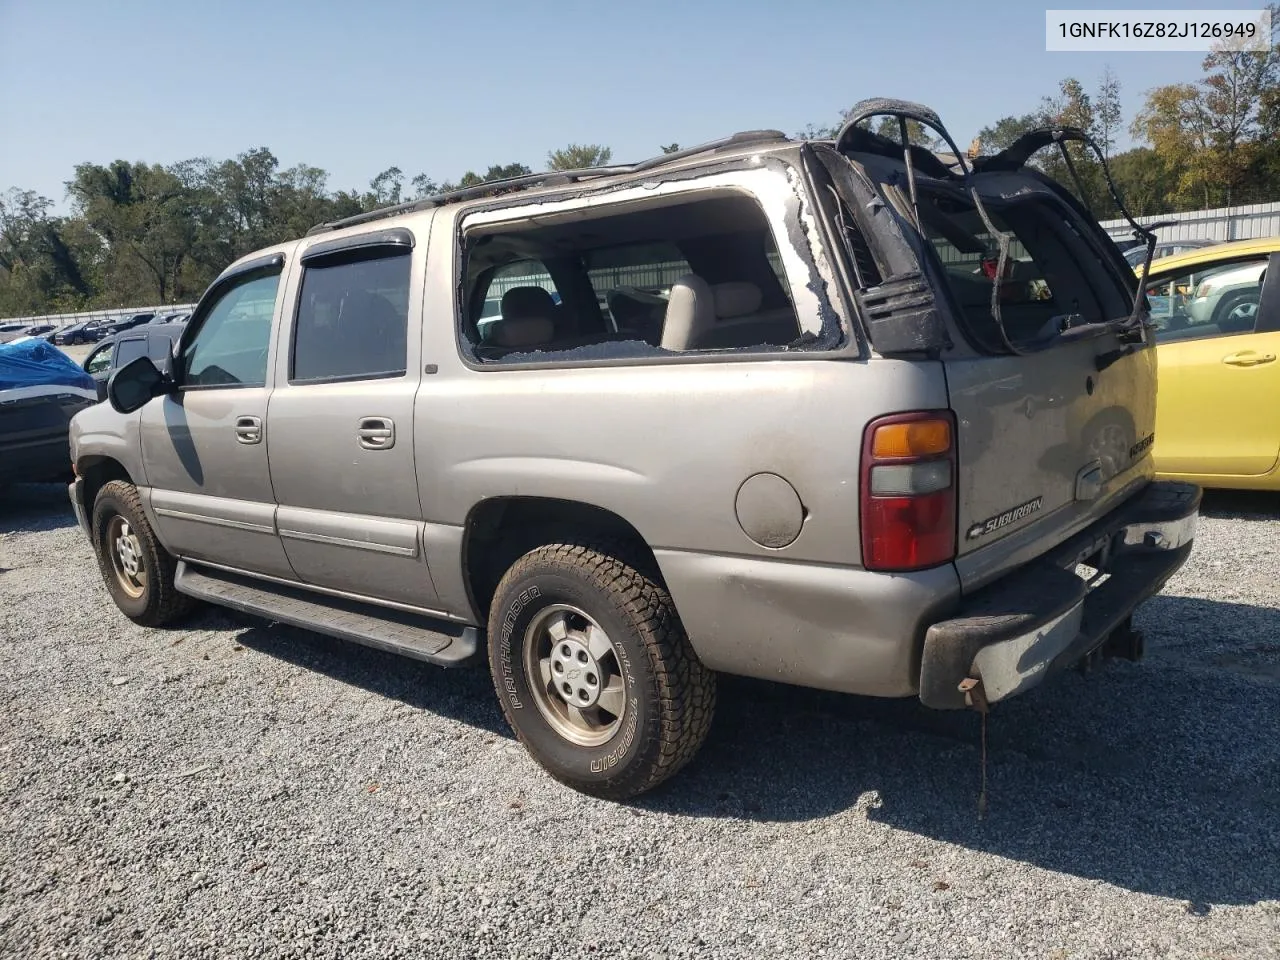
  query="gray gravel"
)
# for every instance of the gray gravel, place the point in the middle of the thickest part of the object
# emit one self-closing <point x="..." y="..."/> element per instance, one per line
<point x="236" y="789"/>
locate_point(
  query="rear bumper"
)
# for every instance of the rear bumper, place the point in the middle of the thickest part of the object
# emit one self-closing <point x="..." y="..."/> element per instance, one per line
<point x="1014" y="633"/>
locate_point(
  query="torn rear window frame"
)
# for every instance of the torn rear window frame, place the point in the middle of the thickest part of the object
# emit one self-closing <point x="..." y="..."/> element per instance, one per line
<point x="799" y="203"/>
<point x="885" y="175"/>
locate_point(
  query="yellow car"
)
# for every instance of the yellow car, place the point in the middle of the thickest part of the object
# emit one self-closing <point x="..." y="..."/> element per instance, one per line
<point x="1217" y="316"/>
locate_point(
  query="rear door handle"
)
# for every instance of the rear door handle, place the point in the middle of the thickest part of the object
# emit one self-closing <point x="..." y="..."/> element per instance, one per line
<point x="249" y="429"/>
<point x="376" y="433"/>
<point x="1248" y="358"/>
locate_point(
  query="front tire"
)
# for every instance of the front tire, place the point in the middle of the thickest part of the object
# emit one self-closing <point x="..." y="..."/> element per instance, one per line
<point x="594" y="671"/>
<point x="138" y="571"/>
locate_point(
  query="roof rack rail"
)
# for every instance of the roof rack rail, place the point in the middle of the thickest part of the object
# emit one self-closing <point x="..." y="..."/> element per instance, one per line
<point x="546" y="178"/>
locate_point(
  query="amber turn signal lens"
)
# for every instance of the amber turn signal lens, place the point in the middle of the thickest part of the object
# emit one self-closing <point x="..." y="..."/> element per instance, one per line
<point x="915" y="438"/>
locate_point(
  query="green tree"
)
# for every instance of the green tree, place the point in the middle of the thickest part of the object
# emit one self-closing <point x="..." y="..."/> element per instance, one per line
<point x="671" y="148"/>
<point x="578" y="156"/>
<point x="385" y="189"/>
<point x="1145" y="180"/>
<point x="44" y="260"/>
<point x="424" y="186"/>
<point x="1107" y="111"/>
<point x="144" y="215"/>
<point x="1219" y="132"/>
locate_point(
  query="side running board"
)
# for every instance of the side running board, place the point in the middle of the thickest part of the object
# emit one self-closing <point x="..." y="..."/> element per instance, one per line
<point x="395" y="631"/>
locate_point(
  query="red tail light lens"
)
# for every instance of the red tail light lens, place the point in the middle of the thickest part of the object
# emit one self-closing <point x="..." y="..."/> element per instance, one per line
<point x="909" y="491"/>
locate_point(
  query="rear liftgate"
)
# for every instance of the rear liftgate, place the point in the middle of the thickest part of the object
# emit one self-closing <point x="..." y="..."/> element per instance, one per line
<point x="853" y="137"/>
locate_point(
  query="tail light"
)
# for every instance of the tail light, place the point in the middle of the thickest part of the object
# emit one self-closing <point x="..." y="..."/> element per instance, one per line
<point x="909" y="491"/>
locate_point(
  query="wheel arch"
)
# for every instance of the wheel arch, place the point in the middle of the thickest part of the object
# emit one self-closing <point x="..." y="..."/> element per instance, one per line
<point x="499" y="530"/>
<point x="97" y="470"/>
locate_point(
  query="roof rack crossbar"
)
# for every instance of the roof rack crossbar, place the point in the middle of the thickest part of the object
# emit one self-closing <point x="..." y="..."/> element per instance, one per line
<point x="545" y="178"/>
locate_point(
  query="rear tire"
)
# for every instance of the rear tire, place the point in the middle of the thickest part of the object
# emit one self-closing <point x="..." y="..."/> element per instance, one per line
<point x="137" y="570"/>
<point x="593" y="669"/>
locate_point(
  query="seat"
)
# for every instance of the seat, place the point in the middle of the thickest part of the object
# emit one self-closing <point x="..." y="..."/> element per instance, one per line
<point x="520" y="332"/>
<point x="691" y="313"/>
<point x="521" y="303"/>
<point x="528" y="320"/>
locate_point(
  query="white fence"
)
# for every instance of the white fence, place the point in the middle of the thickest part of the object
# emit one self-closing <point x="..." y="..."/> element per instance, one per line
<point x="66" y="319"/>
<point x="1247" y="222"/>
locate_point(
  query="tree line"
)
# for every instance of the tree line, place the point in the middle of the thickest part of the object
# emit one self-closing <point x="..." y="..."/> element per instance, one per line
<point x="148" y="233"/>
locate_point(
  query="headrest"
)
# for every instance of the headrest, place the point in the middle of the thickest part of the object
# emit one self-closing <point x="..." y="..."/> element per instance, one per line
<point x="520" y="332"/>
<point x="736" y="298"/>
<point x="520" y="303"/>
<point x="690" y="313"/>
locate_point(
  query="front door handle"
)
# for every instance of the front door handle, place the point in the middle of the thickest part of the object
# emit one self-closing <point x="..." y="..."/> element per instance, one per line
<point x="249" y="429"/>
<point x="376" y="433"/>
<point x="1248" y="358"/>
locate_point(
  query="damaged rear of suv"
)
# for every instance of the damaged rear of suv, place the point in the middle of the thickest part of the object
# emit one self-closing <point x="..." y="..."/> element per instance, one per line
<point x="1053" y="525"/>
<point x="849" y="414"/>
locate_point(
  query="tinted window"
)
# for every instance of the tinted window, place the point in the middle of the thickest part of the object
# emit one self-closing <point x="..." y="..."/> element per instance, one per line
<point x="130" y="350"/>
<point x="1208" y="300"/>
<point x="353" y="320"/>
<point x="230" y="348"/>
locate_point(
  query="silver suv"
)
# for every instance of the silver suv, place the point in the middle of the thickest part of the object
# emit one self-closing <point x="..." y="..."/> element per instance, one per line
<point x="835" y="413"/>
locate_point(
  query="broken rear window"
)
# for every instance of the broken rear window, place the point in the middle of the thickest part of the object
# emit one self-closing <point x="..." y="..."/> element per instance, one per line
<point x="1051" y="279"/>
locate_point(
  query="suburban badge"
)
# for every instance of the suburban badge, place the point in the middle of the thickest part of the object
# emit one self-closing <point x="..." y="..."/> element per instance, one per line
<point x="1012" y="515"/>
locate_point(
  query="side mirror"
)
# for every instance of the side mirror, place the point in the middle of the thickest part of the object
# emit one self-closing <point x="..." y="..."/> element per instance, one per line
<point x="134" y="384"/>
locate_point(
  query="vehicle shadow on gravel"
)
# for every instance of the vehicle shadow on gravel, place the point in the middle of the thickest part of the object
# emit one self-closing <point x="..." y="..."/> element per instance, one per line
<point x="31" y="507"/>
<point x="1159" y="777"/>
<point x="1241" y="504"/>
<point x="463" y="694"/>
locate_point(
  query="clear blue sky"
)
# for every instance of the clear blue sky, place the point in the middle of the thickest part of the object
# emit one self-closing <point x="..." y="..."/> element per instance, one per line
<point x="355" y="87"/>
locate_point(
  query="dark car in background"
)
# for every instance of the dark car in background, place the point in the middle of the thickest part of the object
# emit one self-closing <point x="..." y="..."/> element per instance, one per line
<point x="82" y="332"/>
<point x="111" y="328"/>
<point x="147" y="340"/>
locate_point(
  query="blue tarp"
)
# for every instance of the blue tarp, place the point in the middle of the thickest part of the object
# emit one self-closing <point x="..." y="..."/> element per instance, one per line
<point x="37" y="363"/>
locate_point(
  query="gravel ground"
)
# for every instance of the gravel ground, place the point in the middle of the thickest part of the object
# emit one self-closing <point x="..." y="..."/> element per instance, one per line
<point x="236" y="789"/>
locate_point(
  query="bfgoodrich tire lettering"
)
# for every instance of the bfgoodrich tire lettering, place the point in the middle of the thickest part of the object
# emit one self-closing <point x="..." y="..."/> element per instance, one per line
<point x="669" y="696"/>
<point x="137" y="570"/>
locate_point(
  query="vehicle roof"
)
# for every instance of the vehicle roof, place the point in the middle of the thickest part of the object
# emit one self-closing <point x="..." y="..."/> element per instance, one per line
<point x="1215" y="251"/>
<point x="553" y="182"/>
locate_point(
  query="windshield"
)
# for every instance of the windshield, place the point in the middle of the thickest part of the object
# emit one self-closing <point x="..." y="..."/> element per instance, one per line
<point x="1051" y="279"/>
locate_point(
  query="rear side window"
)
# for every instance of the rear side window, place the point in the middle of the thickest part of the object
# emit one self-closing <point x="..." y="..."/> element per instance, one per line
<point x="129" y="350"/>
<point x="698" y="273"/>
<point x="352" y="321"/>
